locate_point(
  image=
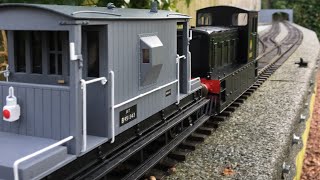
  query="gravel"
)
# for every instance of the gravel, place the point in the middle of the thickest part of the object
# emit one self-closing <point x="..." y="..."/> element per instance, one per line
<point x="254" y="141"/>
<point x="283" y="33"/>
<point x="263" y="28"/>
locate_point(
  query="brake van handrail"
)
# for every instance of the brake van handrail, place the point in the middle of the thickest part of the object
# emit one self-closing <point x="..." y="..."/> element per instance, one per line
<point x="113" y="106"/>
<point x="17" y="162"/>
<point x="178" y="75"/>
<point x="144" y="94"/>
<point x="95" y="12"/>
<point x="84" y="83"/>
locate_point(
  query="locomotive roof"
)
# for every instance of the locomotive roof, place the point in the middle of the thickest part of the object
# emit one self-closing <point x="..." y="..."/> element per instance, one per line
<point x="214" y="29"/>
<point x="227" y="8"/>
<point x="90" y="12"/>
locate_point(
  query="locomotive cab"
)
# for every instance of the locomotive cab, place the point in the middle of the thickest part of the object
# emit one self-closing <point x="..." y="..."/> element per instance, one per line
<point x="245" y="21"/>
<point x="224" y="49"/>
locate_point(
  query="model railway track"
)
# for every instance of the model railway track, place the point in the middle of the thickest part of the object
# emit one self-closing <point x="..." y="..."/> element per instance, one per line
<point x="267" y="41"/>
<point x="270" y="47"/>
<point x="274" y="58"/>
<point x="278" y="53"/>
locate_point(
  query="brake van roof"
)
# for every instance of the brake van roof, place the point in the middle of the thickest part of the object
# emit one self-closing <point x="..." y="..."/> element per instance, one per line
<point x="90" y="12"/>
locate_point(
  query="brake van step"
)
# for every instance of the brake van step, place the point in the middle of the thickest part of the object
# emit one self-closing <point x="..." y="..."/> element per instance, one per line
<point x="36" y="167"/>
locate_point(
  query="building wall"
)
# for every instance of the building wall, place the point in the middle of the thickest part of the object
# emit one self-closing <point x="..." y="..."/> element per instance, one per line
<point x="198" y="4"/>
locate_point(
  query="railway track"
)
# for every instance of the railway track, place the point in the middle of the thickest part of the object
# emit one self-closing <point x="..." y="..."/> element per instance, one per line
<point x="160" y="150"/>
<point x="273" y="55"/>
<point x="274" y="58"/>
<point x="267" y="41"/>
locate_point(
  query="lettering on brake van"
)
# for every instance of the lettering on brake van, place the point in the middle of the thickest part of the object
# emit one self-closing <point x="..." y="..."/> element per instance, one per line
<point x="128" y="115"/>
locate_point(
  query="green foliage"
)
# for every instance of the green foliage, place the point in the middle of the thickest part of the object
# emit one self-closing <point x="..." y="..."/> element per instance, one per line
<point x="306" y="12"/>
<point x="188" y="2"/>
<point x="117" y="3"/>
<point x="141" y="4"/>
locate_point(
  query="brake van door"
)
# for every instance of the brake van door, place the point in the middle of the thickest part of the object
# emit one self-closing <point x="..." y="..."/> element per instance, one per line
<point x="94" y="51"/>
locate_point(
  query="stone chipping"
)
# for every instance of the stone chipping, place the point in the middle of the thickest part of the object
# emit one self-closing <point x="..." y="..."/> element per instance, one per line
<point x="264" y="28"/>
<point x="283" y="33"/>
<point x="254" y="141"/>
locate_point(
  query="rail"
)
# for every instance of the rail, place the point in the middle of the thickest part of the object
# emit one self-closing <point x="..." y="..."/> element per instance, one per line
<point x="17" y="162"/>
<point x="84" y="84"/>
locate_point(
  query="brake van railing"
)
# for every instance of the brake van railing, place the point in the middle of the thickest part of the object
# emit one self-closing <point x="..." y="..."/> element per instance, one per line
<point x="84" y="84"/>
<point x="17" y="162"/>
<point x="114" y="106"/>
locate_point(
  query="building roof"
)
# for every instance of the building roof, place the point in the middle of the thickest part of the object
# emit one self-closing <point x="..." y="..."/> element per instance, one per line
<point x="101" y="13"/>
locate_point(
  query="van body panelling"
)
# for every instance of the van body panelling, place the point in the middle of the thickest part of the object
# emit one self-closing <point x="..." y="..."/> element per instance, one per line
<point x="124" y="59"/>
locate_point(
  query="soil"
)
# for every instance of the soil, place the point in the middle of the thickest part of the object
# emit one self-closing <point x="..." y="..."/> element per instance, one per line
<point x="311" y="164"/>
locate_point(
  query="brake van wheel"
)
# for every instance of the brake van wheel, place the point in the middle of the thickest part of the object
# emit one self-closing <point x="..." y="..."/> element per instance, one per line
<point x="173" y="132"/>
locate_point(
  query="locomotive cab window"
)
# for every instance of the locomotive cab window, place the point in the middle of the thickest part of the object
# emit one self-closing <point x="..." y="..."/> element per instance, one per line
<point x="204" y="19"/>
<point x="150" y="59"/>
<point x="240" y="19"/>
